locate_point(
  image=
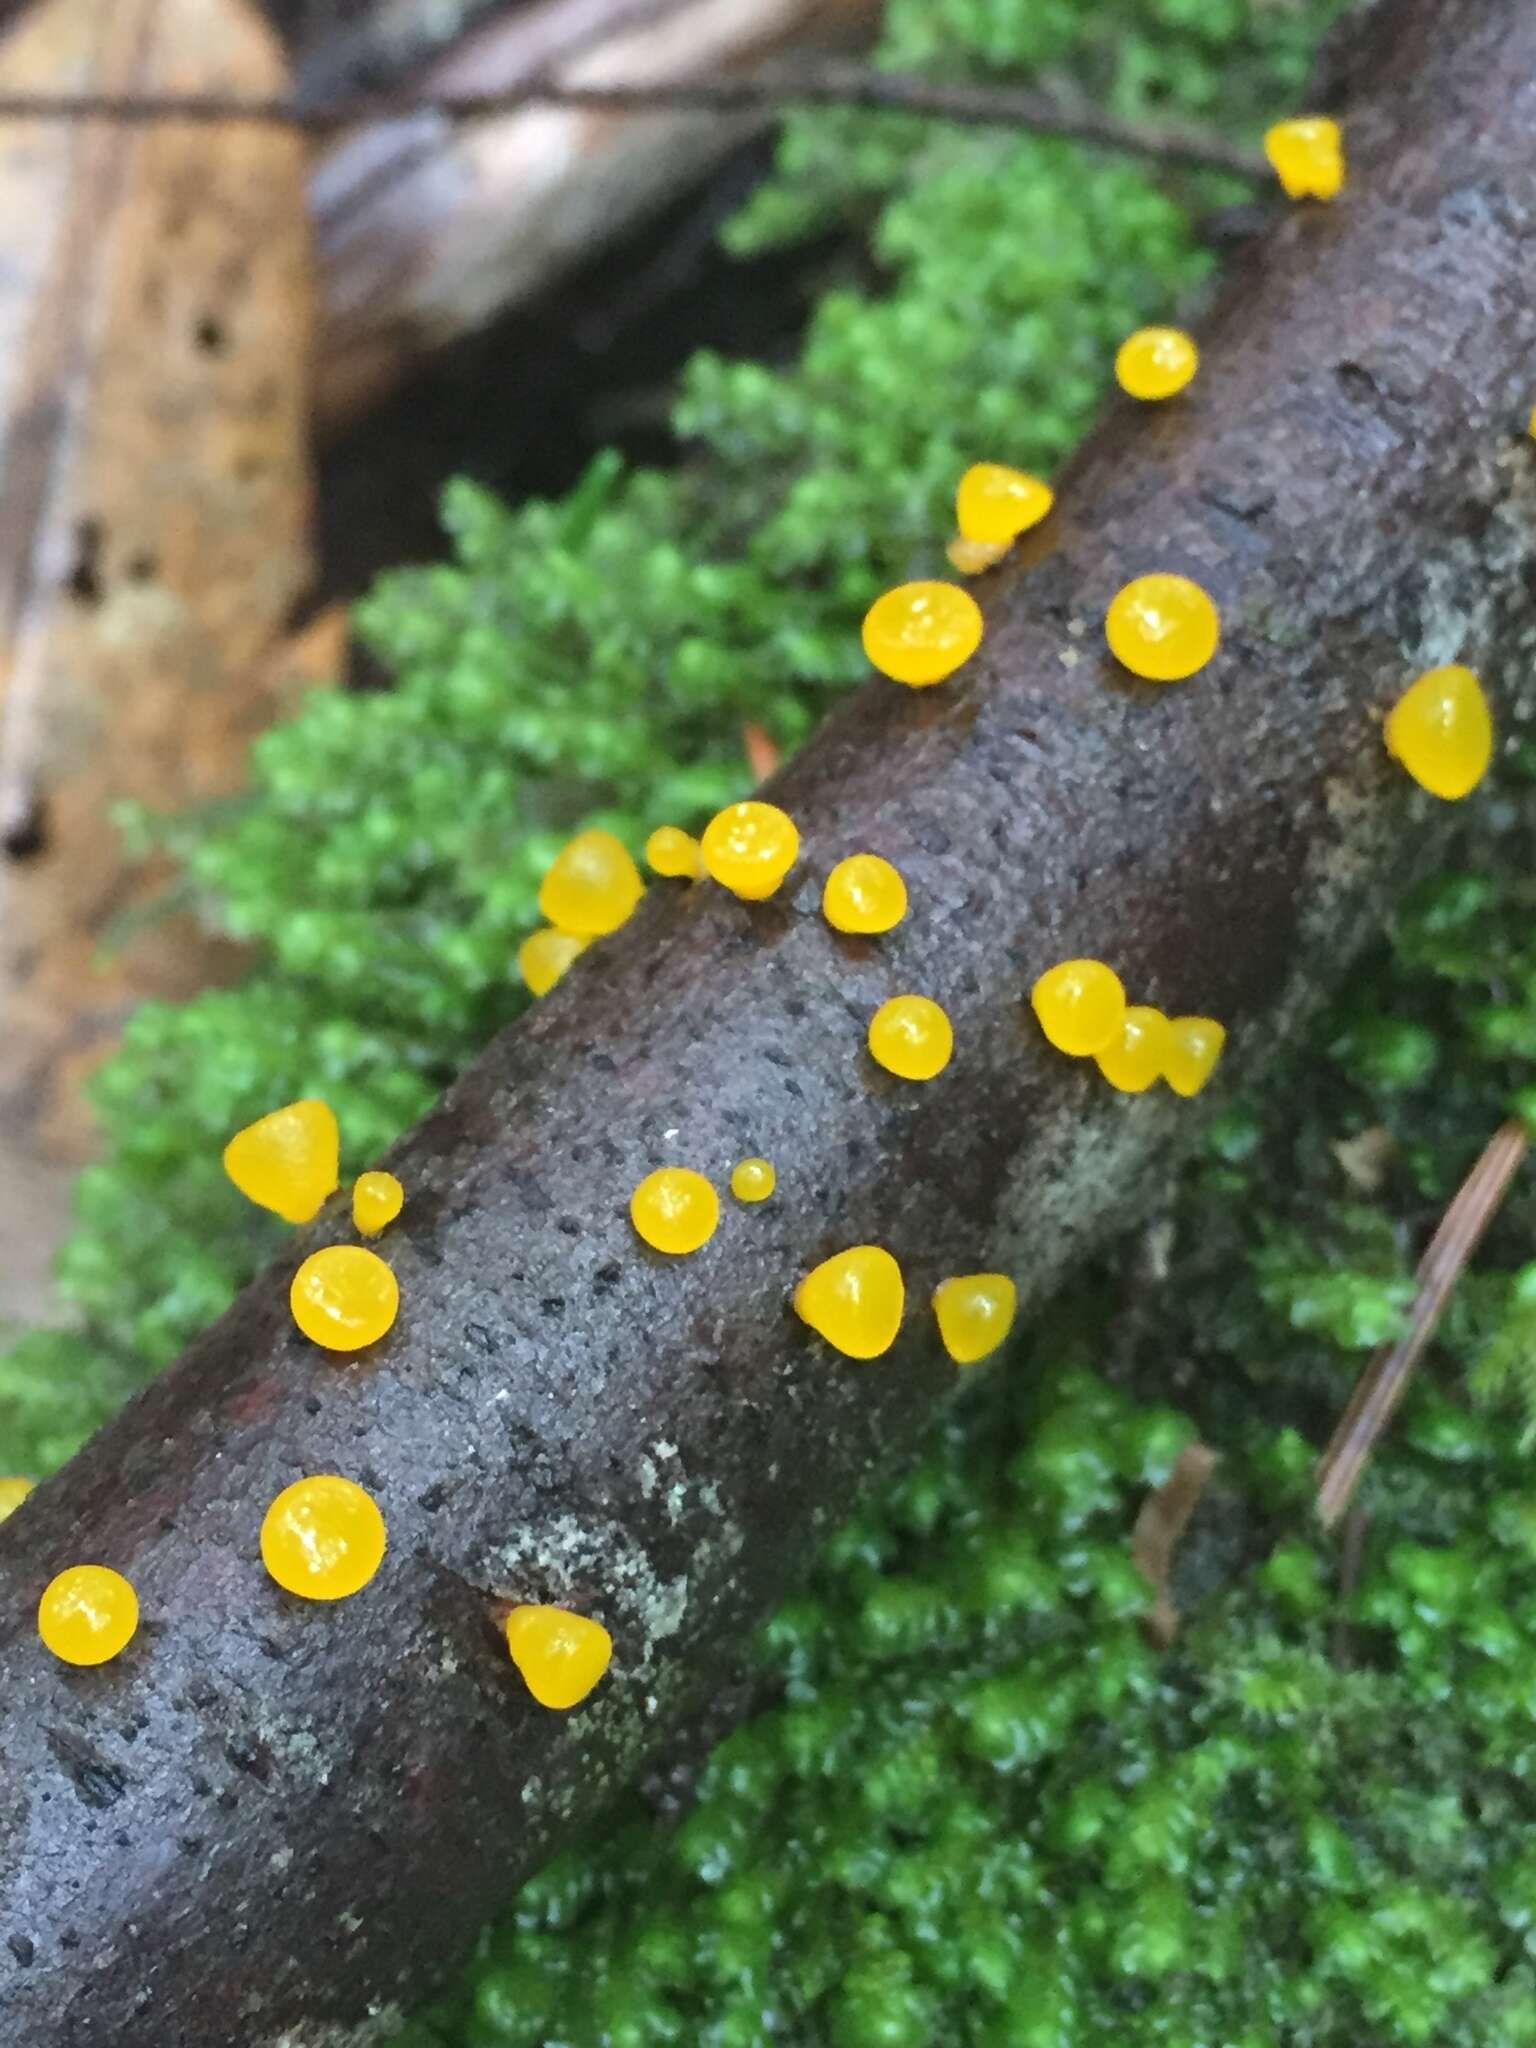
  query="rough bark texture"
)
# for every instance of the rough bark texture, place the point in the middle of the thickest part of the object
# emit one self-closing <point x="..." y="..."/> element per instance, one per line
<point x="269" y="1823"/>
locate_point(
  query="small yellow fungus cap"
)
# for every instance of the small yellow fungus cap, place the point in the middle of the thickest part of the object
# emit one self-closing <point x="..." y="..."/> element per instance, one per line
<point x="561" y="1655"/>
<point x="972" y="557"/>
<point x="975" y="1314"/>
<point x="12" y="1493"/>
<point x="1080" y="1005"/>
<point x="675" y="1209"/>
<point x="995" y="504"/>
<point x="1162" y="628"/>
<point x="288" y="1161"/>
<point x="344" y="1297"/>
<point x="88" y="1614"/>
<point x="1307" y="156"/>
<point x="377" y="1199"/>
<point x="1441" y="731"/>
<point x="1194" y="1047"/>
<point x="749" y="848"/>
<point x="545" y="955"/>
<point x="591" y="886"/>
<point x="1530" y="425"/>
<point x="854" y="1300"/>
<point x="753" y="1180"/>
<point x="1135" y="1059"/>
<point x="1156" y="362"/>
<point x="323" y="1538"/>
<point x="675" y="853"/>
<point x="864" y="894"/>
<point x="911" y="1036"/>
<point x="919" y="633"/>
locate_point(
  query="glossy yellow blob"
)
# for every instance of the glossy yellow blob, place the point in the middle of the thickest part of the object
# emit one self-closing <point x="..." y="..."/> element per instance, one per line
<point x="674" y="852"/>
<point x="975" y="1312"/>
<point x="288" y="1160"/>
<point x="323" y="1538"/>
<point x="1530" y="425"/>
<point x="675" y="1209"/>
<point x="995" y="504"/>
<point x="1441" y="731"/>
<point x="1155" y="362"/>
<point x="12" y="1493"/>
<point x="88" y="1614"/>
<point x="971" y="557"/>
<point x="344" y="1297"/>
<point x="911" y="1036"/>
<point x="1080" y="1005"/>
<point x="1194" y="1047"/>
<point x="1307" y="156"/>
<point x="377" y="1199"/>
<point x="592" y="885"/>
<point x="749" y="848"/>
<point x="1162" y="628"/>
<point x="854" y="1300"/>
<point x="560" y="1655"/>
<point x="864" y="894"/>
<point x="753" y="1180"/>
<point x="920" y="633"/>
<point x="1134" y="1060"/>
<point x="545" y="955"/>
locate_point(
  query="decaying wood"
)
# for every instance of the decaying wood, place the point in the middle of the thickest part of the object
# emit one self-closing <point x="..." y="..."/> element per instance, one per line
<point x="1164" y="1516"/>
<point x="273" y="1823"/>
<point x="154" y="489"/>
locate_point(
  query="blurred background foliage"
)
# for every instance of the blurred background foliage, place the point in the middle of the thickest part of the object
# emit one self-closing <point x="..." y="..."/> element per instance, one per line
<point x="977" y="1806"/>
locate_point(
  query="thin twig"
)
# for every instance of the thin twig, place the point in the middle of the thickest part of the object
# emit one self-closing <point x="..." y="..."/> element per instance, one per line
<point x="834" y="85"/>
<point x="1385" y="1379"/>
<point x="1351" y="1563"/>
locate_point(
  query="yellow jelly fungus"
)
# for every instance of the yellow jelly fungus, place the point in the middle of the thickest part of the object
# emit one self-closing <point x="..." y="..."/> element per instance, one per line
<point x="12" y="1493"/>
<point x="1132" y="1061"/>
<point x="971" y="557"/>
<point x="1156" y="362"/>
<point x="975" y="1312"/>
<point x="545" y="955"/>
<point x="323" y="1538"/>
<point x="1081" y="1006"/>
<point x="753" y="1180"/>
<point x="88" y="1614"/>
<point x="671" y="851"/>
<point x="675" y="1209"/>
<point x="1162" y="627"/>
<point x="288" y="1161"/>
<point x="995" y="504"/>
<point x="344" y="1297"/>
<point x="1307" y="156"/>
<point x="591" y="887"/>
<point x="1441" y="732"/>
<point x="854" y="1300"/>
<point x="377" y="1199"/>
<point x="912" y="1037"/>
<point x="561" y="1655"/>
<point x="1530" y="425"/>
<point x="749" y="848"/>
<point x="1194" y="1047"/>
<point x="920" y="633"/>
<point x="864" y="894"/>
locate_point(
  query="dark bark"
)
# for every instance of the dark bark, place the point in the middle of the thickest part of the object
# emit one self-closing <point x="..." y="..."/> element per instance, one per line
<point x="268" y="1822"/>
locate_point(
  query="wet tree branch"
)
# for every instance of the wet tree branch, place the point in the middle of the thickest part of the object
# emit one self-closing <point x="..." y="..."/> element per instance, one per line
<point x="270" y="1823"/>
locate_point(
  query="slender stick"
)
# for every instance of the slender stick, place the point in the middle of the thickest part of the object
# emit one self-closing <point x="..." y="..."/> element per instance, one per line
<point x="1385" y="1380"/>
<point x="836" y="85"/>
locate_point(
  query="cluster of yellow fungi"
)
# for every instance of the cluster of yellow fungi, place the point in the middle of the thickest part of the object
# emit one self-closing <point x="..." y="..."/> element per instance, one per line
<point x="323" y="1537"/>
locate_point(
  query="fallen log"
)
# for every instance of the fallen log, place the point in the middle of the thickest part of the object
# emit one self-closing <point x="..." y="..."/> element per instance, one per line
<point x="270" y="1823"/>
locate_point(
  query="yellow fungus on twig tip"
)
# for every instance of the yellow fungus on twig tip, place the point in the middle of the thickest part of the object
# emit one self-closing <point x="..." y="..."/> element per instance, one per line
<point x="12" y="1493"/>
<point x="753" y="1180"/>
<point x="672" y="852"/>
<point x="1080" y="1005"/>
<point x="344" y="1297"/>
<point x="323" y="1538"/>
<point x="1162" y="627"/>
<point x="88" y="1614"/>
<point x="749" y="848"/>
<point x="1156" y="362"/>
<point x="975" y="1314"/>
<point x="545" y="955"/>
<point x="1441" y="731"/>
<point x="855" y="1300"/>
<point x="591" y="886"/>
<point x="675" y="1210"/>
<point x="560" y="1655"/>
<point x="377" y="1199"/>
<point x="919" y="633"/>
<point x="288" y="1161"/>
<point x="1307" y="156"/>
